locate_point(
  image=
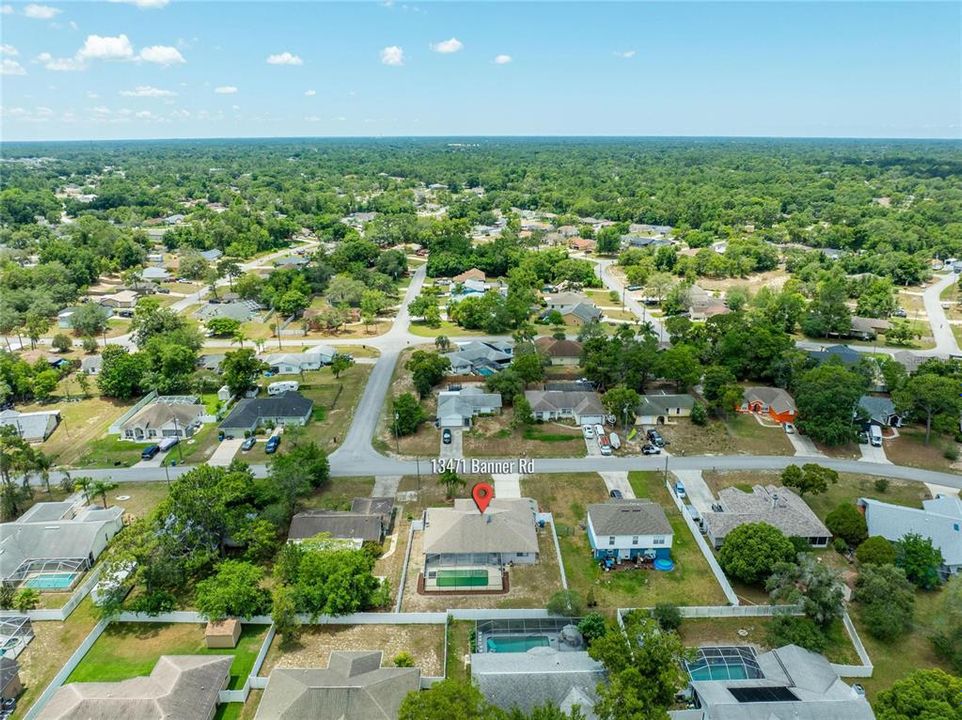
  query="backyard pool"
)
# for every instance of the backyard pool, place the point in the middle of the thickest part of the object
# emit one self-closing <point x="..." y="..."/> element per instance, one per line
<point x="724" y="663"/>
<point x="516" y="643"/>
<point x="474" y="577"/>
<point x="51" y="581"/>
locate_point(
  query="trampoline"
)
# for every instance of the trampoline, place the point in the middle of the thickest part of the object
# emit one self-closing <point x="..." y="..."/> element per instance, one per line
<point x="724" y="663"/>
<point x="516" y="643"/>
<point x="474" y="577"/>
<point x="51" y="581"/>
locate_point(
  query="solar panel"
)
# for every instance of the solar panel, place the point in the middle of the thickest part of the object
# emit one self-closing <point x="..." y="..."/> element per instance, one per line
<point x="763" y="694"/>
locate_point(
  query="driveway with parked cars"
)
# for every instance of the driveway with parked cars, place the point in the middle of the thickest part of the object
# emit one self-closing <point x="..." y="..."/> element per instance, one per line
<point x="618" y="481"/>
<point x="224" y="453"/>
<point x="454" y="449"/>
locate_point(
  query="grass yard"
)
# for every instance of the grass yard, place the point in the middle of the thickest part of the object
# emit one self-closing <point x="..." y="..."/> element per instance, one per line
<point x="111" y="451"/>
<point x="494" y="436"/>
<point x="909" y="449"/>
<point x="52" y="645"/>
<point x="567" y="497"/>
<point x="196" y="449"/>
<point x="739" y="435"/>
<point x="751" y="438"/>
<point x="127" y="650"/>
<point x="337" y="494"/>
<point x="446" y="327"/>
<point x="82" y="422"/>
<point x="425" y="643"/>
<point x="137" y="499"/>
<point x="459" y="646"/>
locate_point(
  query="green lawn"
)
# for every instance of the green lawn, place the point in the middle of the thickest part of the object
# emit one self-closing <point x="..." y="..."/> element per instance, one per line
<point x="196" y="449"/>
<point x="127" y="650"/>
<point x="111" y="451"/>
<point x="446" y="327"/>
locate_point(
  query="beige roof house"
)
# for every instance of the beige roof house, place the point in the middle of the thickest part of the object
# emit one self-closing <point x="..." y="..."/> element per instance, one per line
<point x="507" y="526"/>
<point x="354" y="686"/>
<point x="165" y="417"/>
<point x="777" y="506"/>
<point x="472" y="274"/>
<point x="179" y="687"/>
<point x="122" y="299"/>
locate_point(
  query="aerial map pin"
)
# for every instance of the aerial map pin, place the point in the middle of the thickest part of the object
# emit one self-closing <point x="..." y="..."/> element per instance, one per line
<point x="482" y="493"/>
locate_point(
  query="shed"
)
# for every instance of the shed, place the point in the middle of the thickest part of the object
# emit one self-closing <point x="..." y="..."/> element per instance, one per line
<point x="223" y="634"/>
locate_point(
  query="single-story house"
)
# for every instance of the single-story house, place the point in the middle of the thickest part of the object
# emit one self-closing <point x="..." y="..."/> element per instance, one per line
<point x="10" y="685"/>
<point x="34" y="427"/>
<point x="91" y="364"/>
<point x="472" y="274"/>
<point x="290" y="408"/>
<point x="584" y="407"/>
<point x="939" y="519"/>
<point x="179" y="686"/>
<point x="909" y="360"/>
<point x="64" y="317"/>
<point x="540" y="676"/>
<point x="211" y="361"/>
<point x="868" y="328"/>
<point x="560" y="352"/>
<point x="877" y="410"/>
<point x="212" y="255"/>
<point x="354" y="686"/>
<point x="703" y="305"/>
<point x="154" y="274"/>
<point x="788" y="683"/>
<point x="771" y="401"/>
<point x="629" y="529"/>
<point x="580" y="244"/>
<point x="462" y="536"/>
<point x="777" y="506"/>
<point x="658" y="231"/>
<point x="241" y="311"/>
<point x="174" y="219"/>
<point x="481" y="358"/>
<point x="456" y="408"/>
<point x="53" y="531"/>
<point x="291" y="261"/>
<point x="469" y="288"/>
<point x="657" y="409"/>
<point x="167" y="416"/>
<point x="575" y="308"/>
<point x="293" y="363"/>
<point x="123" y="300"/>
<point x="846" y="355"/>
<point x="358" y="528"/>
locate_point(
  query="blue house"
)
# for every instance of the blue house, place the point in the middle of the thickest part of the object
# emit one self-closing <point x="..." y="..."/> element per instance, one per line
<point x="628" y="529"/>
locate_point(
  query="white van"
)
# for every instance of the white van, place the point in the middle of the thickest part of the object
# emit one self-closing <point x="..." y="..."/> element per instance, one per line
<point x="279" y="388"/>
<point x="875" y="435"/>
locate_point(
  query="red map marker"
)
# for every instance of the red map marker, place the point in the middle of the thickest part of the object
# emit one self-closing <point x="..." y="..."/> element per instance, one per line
<point x="483" y="494"/>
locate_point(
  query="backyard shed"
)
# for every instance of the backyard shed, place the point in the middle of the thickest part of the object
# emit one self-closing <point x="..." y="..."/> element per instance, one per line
<point x="223" y="633"/>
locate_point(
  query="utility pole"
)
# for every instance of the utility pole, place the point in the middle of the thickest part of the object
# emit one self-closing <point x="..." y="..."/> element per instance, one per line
<point x="397" y="437"/>
<point x="666" y="468"/>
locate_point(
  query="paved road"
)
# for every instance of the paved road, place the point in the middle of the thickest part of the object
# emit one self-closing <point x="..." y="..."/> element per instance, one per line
<point x="611" y="281"/>
<point x="945" y="342"/>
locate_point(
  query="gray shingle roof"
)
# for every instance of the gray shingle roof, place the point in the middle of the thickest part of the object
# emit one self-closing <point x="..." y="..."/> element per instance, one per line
<point x="506" y="527"/>
<point x="777" y="506"/>
<point x="345" y="525"/>
<point x="353" y="687"/>
<point x="877" y="408"/>
<point x="249" y="412"/>
<point x="777" y="399"/>
<point x="660" y="404"/>
<point x="629" y="517"/>
<point x="178" y="687"/>
<point x="32" y="427"/>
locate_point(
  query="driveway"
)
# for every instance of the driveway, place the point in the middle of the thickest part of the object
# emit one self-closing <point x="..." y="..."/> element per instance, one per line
<point x="225" y="452"/>
<point x="155" y="462"/>
<point x="873" y="454"/>
<point x="697" y="490"/>
<point x="594" y="449"/>
<point x="618" y="481"/>
<point x="386" y="485"/>
<point x="803" y="445"/>
<point x="507" y="486"/>
<point x="455" y="449"/>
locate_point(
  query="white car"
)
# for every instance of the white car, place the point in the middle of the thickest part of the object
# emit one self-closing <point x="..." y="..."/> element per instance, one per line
<point x="789" y="428"/>
<point x="588" y="431"/>
<point x="599" y="430"/>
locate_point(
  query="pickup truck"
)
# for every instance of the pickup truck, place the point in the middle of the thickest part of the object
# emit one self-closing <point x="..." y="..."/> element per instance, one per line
<point x="605" y="444"/>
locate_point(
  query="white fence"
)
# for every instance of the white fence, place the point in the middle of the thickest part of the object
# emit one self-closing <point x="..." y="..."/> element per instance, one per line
<point x="703" y="546"/>
<point x="860" y="671"/>
<point x="115" y="426"/>
<point x="549" y="518"/>
<point x="61" y="613"/>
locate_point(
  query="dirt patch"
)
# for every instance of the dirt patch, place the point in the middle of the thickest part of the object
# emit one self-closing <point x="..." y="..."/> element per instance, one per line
<point x="909" y="449"/>
<point x="316" y="643"/>
<point x="495" y="436"/>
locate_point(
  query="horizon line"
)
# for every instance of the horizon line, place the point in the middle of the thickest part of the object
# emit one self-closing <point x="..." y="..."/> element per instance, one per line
<point x="862" y="138"/>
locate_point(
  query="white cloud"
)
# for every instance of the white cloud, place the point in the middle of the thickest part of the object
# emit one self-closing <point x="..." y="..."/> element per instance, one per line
<point x="11" y="67"/>
<point x="225" y="90"/>
<point x="92" y="95"/>
<point x="9" y="50"/>
<point x="284" y="58"/>
<point x="40" y="12"/>
<point x="312" y="118"/>
<point x="162" y="55"/>
<point x="147" y="91"/>
<point x="59" y="64"/>
<point x="446" y="47"/>
<point x="106" y="47"/>
<point x="310" y="93"/>
<point x="626" y="54"/>
<point x="6" y="9"/>
<point x="144" y="4"/>
<point x="502" y="59"/>
<point x="392" y="55"/>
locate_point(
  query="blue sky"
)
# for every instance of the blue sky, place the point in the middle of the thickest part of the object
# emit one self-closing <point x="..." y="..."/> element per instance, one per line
<point x="156" y="68"/>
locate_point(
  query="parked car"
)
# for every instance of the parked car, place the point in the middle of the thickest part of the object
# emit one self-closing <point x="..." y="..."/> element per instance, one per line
<point x="272" y="444"/>
<point x="650" y="449"/>
<point x="446" y="436"/>
<point x="633" y="288"/>
<point x="248" y="443"/>
<point x="149" y="452"/>
<point x="900" y="312"/>
<point x="616" y="494"/>
<point x="604" y="444"/>
<point x="789" y="428"/>
<point x="680" y="490"/>
<point x="589" y="432"/>
<point x="655" y="438"/>
<point x="599" y="430"/>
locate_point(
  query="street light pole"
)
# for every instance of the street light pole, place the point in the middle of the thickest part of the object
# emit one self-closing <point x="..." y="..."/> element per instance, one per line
<point x="397" y="437"/>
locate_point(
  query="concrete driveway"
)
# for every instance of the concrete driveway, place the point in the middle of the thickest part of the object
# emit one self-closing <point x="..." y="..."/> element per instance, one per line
<point x="591" y="444"/>
<point x="873" y="454"/>
<point x="507" y="486"/>
<point x="224" y="453"/>
<point x="386" y="485"/>
<point x="618" y="481"/>
<point x="803" y="445"/>
<point x="455" y="449"/>
<point x="155" y="462"/>
<point x="697" y="490"/>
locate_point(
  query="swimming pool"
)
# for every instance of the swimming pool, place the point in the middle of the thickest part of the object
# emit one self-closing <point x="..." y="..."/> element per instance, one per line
<point x="516" y="643"/>
<point x="724" y="663"/>
<point x="51" y="581"/>
<point x="472" y="577"/>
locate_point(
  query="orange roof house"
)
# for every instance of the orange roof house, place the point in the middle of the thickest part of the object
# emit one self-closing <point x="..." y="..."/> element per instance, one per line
<point x="774" y="402"/>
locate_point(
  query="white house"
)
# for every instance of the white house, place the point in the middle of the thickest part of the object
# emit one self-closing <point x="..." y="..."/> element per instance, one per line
<point x="293" y="363"/>
<point x="583" y="407"/>
<point x="658" y="409"/>
<point x="628" y="529"/>
<point x="456" y="408"/>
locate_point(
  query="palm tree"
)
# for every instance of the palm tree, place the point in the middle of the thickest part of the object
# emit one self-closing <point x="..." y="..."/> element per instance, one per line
<point x="100" y="489"/>
<point x="84" y="484"/>
<point x="442" y="342"/>
<point x="238" y="337"/>
<point x="41" y="465"/>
